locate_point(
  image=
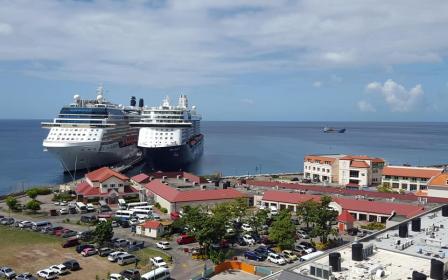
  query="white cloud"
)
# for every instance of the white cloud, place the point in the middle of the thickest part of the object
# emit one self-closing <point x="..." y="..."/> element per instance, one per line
<point x="365" y="106"/>
<point x="193" y="42"/>
<point x="317" y="84"/>
<point x="398" y="98"/>
<point x="248" y="101"/>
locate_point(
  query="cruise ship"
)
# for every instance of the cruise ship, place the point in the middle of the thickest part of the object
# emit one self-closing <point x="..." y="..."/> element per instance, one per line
<point x="170" y="135"/>
<point x="93" y="133"/>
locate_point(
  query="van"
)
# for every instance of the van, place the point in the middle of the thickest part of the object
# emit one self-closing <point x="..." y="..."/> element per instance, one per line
<point x="37" y="226"/>
<point x="126" y="259"/>
<point x="160" y="273"/>
<point x="185" y="239"/>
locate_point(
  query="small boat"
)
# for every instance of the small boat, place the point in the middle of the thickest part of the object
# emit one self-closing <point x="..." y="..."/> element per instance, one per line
<point x="333" y="130"/>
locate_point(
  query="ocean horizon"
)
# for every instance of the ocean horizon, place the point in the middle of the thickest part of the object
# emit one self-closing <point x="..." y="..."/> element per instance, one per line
<point x="241" y="147"/>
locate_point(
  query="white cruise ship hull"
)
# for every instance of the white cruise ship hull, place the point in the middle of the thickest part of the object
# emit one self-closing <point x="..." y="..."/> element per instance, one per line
<point x="89" y="156"/>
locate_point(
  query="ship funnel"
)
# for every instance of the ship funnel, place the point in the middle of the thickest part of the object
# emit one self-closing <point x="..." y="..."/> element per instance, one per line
<point x="141" y="103"/>
<point x="133" y="101"/>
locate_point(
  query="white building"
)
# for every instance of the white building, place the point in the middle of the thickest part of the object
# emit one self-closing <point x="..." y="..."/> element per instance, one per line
<point x="154" y="229"/>
<point x="408" y="178"/>
<point x="360" y="171"/>
<point x="345" y="170"/>
<point x="321" y="168"/>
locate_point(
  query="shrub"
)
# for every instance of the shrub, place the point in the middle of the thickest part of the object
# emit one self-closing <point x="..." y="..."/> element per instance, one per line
<point x="373" y="226"/>
<point x="321" y="246"/>
<point x="33" y="205"/>
<point x="164" y="210"/>
<point x="157" y="205"/>
<point x="62" y="197"/>
<point x="12" y="203"/>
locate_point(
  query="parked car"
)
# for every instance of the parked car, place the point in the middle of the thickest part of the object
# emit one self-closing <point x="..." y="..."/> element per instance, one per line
<point x="115" y="276"/>
<point x="131" y="274"/>
<point x="88" y="252"/>
<point x="90" y="207"/>
<point x="240" y="241"/>
<point x="104" y="252"/>
<point x="25" y="224"/>
<point x="289" y="256"/>
<point x="158" y="262"/>
<point x="85" y="235"/>
<point x="275" y="258"/>
<point x="7" y="272"/>
<point x="248" y="239"/>
<point x="47" y="274"/>
<point x="69" y="233"/>
<point x="126" y="259"/>
<point x="71" y="242"/>
<point x="72" y="265"/>
<point x="352" y="231"/>
<point x="88" y="219"/>
<point x="264" y="251"/>
<point x="63" y="211"/>
<point x="252" y="255"/>
<point x="246" y="227"/>
<point x="55" y="229"/>
<point x="25" y="276"/>
<point x="124" y="223"/>
<point x="135" y="245"/>
<point x="308" y="245"/>
<point x="302" y="249"/>
<point x="302" y="234"/>
<point x="7" y="221"/>
<point x="164" y="245"/>
<point x="60" y="269"/>
<point x="114" y="256"/>
<point x="72" y="210"/>
<point x="155" y="216"/>
<point x="120" y="243"/>
<point x="185" y="239"/>
<point x="81" y="247"/>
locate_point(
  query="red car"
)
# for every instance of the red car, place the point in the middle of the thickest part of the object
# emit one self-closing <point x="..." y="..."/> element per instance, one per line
<point x="185" y="239"/>
<point x="71" y="242"/>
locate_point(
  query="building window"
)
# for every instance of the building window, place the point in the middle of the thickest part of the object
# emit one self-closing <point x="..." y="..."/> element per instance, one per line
<point x="112" y="185"/>
<point x="412" y="187"/>
<point x="354" y="173"/>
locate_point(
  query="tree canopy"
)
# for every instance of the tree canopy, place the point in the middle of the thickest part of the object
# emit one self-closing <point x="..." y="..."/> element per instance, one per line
<point x="103" y="232"/>
<point x="11" y="202"/>
<point x="283" y="230"/>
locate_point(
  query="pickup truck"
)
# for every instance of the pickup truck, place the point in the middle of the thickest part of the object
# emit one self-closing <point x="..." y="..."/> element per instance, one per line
<point x="135" y="245"/>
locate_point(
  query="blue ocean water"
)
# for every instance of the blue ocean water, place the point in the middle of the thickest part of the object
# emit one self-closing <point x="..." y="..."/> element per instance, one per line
<point x="236" y="148"/>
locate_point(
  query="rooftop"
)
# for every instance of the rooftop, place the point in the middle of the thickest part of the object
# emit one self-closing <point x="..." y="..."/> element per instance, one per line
<point x="140" y="178"/>
<point x="104" y="173"/>
<point x="440" y="180"/>
<point x="409" y="171"/>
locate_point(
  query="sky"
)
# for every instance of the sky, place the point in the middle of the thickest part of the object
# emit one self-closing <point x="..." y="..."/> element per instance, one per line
<point x="282" y="60"/>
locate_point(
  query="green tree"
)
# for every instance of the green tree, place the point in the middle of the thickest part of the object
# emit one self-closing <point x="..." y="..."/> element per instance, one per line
<point x="32" y="193"/>
<point x="307" y="211"/>
<point x="324" y="219"/>
<point x="103" y="232"/>
<point x="283" y="231"/>
<point x="238" y="208"/>
<point x="33" y="205"/>
<point x="11" y="202"/>
<point x="258" y="219"/>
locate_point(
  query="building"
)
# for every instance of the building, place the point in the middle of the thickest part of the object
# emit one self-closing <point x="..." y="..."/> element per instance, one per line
<point x="104" y="184"/>
<point x="360" y="171"/>
<point x="345" y="221"/>
<point x="408" y="178"/>
<point x="154" y="229"/>
<point x="174" y="194"/>
<point x="322" y="168"/>
<point x="438" y="185"/>
<point x="346" y="170"/>
<point x="360" y="209"/>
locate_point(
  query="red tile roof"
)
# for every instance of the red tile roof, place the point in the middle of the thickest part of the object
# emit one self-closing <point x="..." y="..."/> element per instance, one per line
<point x="104" y="173"/>
<point x="379" y="207"/>
<point x="413" y="172"/>
<point x="341" y="191"/>
<point x="346" y="217"/>
<point x="440" y="180"/>
<point x="373" y="159"/>
<point x="173" y="195"/>
<point x="359" y="164"/>
<point x="286" y="197"/>
<point x="151" y="224"/>
<point x="321" y="159"/>
<point x="140" y="178"/>
<point x="173" y="174"/>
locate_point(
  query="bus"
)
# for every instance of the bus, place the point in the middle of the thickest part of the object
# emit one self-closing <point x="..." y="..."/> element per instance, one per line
<point x="123" y="214"/>
<point x="122" y="204"/>
<point x="81" y="207"/>
<point x="147" y="207"/>
<point x="160" y="273"/>
<point x="137" y="204"/>
<point x="141" y="213"/>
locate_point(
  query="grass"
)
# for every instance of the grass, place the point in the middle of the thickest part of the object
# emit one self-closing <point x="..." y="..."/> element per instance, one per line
<point x="12" y="237"/>
<point x="147" y="253"/>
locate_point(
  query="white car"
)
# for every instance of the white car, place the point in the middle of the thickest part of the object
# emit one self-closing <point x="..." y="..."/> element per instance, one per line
<point x="90" y="207"/>
<point x="63" y="211"/>
<point x="248" y="239"/>
<point x="60" y="269"/>
<point x="275" y="258"/>
<point x="47" y="274"/>
<point x="134" y="221"/>
<point x="246" y="227"/>
<point x="156" y="216"/>
<point x="302" y="234"/>
<point x="25" y="224"/>
<point x="115" y="276"/>
<point x="114" y="256"/>
<point x="63" y="203"/>
<point x="164" y="245"/>
<point x="158" y="262"/>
